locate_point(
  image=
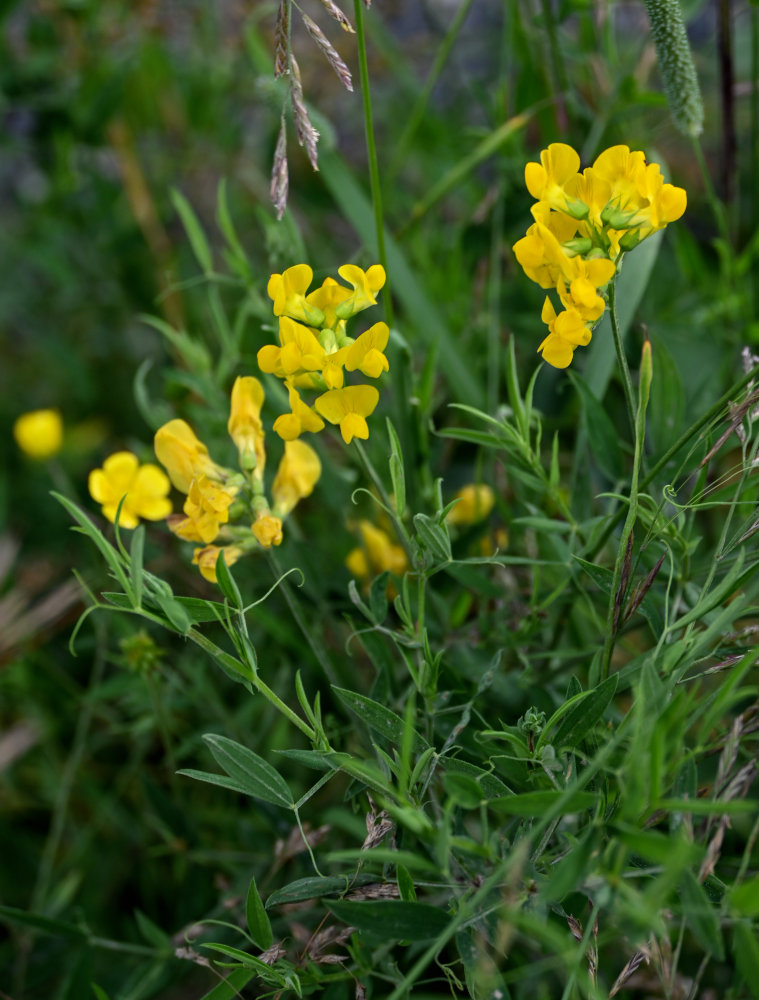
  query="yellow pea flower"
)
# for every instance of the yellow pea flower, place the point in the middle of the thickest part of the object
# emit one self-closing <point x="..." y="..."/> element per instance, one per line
<point x="183" y="455"/>
<point x="145" y="487"/>
<point x="366" y="352"/>
<point x="206" y="509"/>
<point x="39" y="433"/>
<point x="566" y="332"/>
<point x="291" y="425"/>
<point x="205" y="559"/>
<point x="328" y="298"/>
<point x="547" y="181"/>
<point x="298" y="473"/>
<point x="288" y="291"/>
<point x="267" y="530"/>
<point x="365" y="284"/>
<point x="244" y="424"/>
<point x="542" y="257"/>
<point x="580" y="290"/>
<point x="349" y="408"/>
<point x="475" y="501"/>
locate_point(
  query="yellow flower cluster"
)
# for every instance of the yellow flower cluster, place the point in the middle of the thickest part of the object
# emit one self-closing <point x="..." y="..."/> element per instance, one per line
<point x="219" y="498"/>
<point x="584" y="222"/>
<point x="225" y="509"/>
<point x="315" y="351"/>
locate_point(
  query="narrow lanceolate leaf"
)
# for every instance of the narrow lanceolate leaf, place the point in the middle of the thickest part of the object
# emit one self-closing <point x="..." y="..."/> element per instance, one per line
<point x="282" y="39"/>
<point x="307" y="134"/>
<point x="330" y="52"/>
<point x="257" y="918"/>
<point x="255" y="776"/>
<point x="280" y="181"/>
<point x="392" y="920"/>
<point x="676" y="65"/>
<point x="334" y="11"/>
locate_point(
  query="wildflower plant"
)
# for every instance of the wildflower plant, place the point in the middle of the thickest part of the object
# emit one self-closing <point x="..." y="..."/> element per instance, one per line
<point x="479" y="719"/>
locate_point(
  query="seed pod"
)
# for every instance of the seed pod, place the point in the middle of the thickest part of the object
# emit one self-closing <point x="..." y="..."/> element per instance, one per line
<point x="676" y="65"/>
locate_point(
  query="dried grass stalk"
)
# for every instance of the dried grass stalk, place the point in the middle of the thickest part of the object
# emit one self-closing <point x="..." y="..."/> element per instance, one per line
<point x="629" y="969"/>
<point x="307" y="134"/>
<point x="330" y="52"/>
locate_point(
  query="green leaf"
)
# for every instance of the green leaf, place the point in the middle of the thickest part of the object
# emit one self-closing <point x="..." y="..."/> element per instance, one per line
<point x="405" y="884"/>
<point x="463" y="790"/>
<point x="602" y="435"/>
<point x="575" y="718"/>
<point x="254" y="774"/>
<point x="176" y="614"/>
<point x="392" y="920"/>
<point x="315" y="888"/>
<point x="378" y="718"/>
<point x="746" y="954"/>
<point x="744" y="898"/>
<point x="100" y="993"/>
<point x="600" y="575"/>
<point x="136" y="554"/>
<point x="220" y="780"/>
<point x="152" y="933"/>
<point x="492" y="787"/>
<point x="667" y="403"/>
<point x="397" y="472"/>
<point x="433" y="537"/>
<point x="701" y="916"/>
<point x="257" y="919"/>
<point x="537" y="803"/>
<point x="194" y="231"/>
<point x="226" y="582"/>
<point x="47" y="925"/>
<point x="266" y="972"/>
<point x="716" y="595"/>
<point x="230" y="988"/>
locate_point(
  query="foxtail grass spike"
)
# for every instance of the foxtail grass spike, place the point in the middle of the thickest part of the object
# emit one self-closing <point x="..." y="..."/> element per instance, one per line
<point x="676" y="65"/>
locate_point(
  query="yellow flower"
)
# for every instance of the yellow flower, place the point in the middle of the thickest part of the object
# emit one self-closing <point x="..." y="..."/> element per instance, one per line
<point x="244" y="425"/>
<point x="288" y="291"/>
<point x="366" y="284"/>
<point x="267" y="530"/>
<point x="183" y="456"/>
<point x="579" y="291"/>
<point x="298" y="473"/>
<point x="542" y="256"/>
<point x="145" y="487"/>
<point x="475" y="501"/>
<point x="39" y="433"/>
<point x="291" y="425"/>
<point x="377" y="553"/>
<point x="366" y="353"/>
<point x="349" y="408"/>
<point x="206" y="509"/>
<point x="566" y="332"/>
<point x="205" y="559"/>
<point x="327" y="299"/>
<point x="547" y="181"/>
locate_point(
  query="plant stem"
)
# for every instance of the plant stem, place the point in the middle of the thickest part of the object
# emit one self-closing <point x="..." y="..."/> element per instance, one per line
<point x="624" y="369"/>
<point x="371" y="150"/>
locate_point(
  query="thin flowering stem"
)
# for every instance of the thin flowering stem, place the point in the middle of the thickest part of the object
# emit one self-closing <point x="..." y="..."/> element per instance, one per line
<point x="379" y="486"/>
<point x="619" y="347"/>
<point x="371" y="150"/>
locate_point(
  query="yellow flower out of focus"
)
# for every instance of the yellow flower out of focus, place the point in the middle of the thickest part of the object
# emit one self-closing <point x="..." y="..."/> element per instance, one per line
<point x="205" y="559"/>
<point x="584" y="223"/>
<point x="475" y="501"/>
<point x="145" y="488"/>
<point x="39" y="433"/>
<point x="377" y="553"/>
<point x="315" y="350"/>
<point x="296" y="477"/>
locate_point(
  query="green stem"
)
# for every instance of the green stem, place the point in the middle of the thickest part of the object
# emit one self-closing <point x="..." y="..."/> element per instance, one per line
<point x="632" y="509"/>
<point x="379" y="486"/>
<point x="238" y="667"/>
<point x="371" y="150"/>
<point x="619" y="346"/>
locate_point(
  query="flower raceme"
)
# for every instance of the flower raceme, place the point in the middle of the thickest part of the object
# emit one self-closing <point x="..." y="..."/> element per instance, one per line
<point x="225" y="510"/>
<point x="315" y="351"/>
<point x="584" y="223"/>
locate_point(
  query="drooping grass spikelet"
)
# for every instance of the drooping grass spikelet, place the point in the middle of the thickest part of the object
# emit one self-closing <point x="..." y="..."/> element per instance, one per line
<point x="334" y="11"/>
<point x="282" y="39"/>
<point x="330" y="52"/>
<point x="676" y="65"/>
<point x="279" y="185"/>
<point x="307" y="134"/>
